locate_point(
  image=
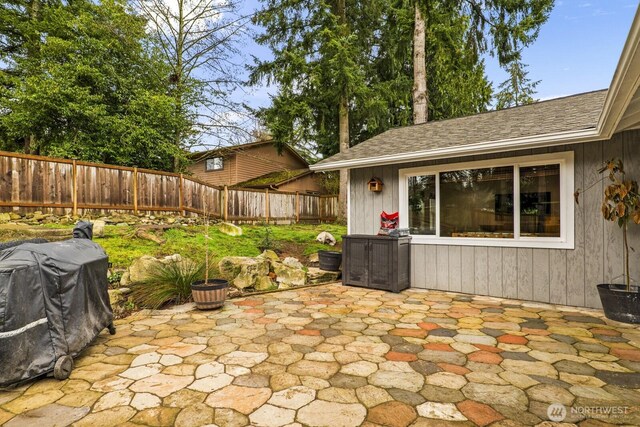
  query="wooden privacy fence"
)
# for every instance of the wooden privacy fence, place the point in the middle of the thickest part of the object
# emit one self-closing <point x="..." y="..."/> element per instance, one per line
<point x="61" y="186"/>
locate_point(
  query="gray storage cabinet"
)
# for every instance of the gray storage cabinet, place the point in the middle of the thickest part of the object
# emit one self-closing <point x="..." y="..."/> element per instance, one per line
<point x="376" y="262"/>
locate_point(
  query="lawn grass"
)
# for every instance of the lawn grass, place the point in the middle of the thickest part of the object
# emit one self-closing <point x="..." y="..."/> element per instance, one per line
<point x="296" y="240"/>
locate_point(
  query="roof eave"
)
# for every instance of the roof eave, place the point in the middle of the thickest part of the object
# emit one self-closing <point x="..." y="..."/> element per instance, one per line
<point x="538" y="141"/>
<point x="625" y="82"/>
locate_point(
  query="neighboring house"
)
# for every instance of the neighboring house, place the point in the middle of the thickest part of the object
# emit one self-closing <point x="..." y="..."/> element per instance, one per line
<point x="489" y="199"/>
<point x="301" y="180"/>
<point x="255" y="165"/>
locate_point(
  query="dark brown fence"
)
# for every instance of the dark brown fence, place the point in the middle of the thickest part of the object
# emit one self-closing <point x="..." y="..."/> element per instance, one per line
<point x="59" y="186"/>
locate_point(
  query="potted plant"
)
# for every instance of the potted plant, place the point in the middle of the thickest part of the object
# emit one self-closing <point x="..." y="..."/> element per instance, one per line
<point x="330" y="260"/>
<point x="621" y="204"/>
<point x="208" y="293"/>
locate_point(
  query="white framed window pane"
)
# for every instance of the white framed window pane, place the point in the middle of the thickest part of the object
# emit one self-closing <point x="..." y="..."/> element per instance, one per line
<point x="540" y="201"/>
<point x="214" y="163"/>
<point x="422" y="204"/>
<point x="477" y="203"/>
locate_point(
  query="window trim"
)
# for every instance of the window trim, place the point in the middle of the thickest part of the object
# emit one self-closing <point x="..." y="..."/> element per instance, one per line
<point x="566" y="239"/>
<point x="206" y="169"/>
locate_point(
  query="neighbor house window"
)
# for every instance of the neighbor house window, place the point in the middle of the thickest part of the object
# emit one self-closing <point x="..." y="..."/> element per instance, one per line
<point x="522" y="202"/>
<point x="213" y="164"/>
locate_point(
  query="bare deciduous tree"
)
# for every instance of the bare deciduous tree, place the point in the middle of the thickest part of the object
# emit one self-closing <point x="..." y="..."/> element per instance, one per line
<point x="199" y="39"/>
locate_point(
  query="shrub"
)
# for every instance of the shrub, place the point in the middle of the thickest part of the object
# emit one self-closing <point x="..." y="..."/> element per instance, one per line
<point x="268" y="242"/>
<point x="168" y="283"/>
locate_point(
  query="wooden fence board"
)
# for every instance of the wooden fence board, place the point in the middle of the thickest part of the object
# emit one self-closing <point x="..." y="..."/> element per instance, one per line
<point x="61" y="186"/>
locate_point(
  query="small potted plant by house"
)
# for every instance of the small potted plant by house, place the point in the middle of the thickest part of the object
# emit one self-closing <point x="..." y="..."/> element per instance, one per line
<point x="330" y="260"/>
<point x="209" y="293"/>
<point x="621" y="204"/>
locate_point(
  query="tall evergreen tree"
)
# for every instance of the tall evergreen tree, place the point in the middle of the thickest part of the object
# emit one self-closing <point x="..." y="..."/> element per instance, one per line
<point x="318" y="52"/>
<point x="501" y="27"/>
<point x="83" y="81"/>
<point x="374" y="62"/>
<point x="518" y="89"/>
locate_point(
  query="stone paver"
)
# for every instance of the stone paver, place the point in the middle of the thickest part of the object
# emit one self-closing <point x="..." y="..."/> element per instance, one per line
<point x="341" y="356"/>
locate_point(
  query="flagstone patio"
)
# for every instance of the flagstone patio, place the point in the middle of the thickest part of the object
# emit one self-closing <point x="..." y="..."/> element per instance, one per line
<point x="340" y="356"/>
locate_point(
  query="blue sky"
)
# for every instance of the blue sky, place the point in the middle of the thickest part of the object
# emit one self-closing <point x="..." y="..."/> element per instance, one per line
<point x="577" y="49"/>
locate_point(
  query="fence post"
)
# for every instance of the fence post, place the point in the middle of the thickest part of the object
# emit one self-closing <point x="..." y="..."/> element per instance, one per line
<point x="297" y="207"/>
<point x="266" y="205"/>
<point x="181" y="197"/>
<point x="74" y="196"/>
<point x="135" y="191"/>
<point x="226" y="203"/>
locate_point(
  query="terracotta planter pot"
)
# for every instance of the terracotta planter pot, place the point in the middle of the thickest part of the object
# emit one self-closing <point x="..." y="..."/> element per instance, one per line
<point x="619" y="304"/>
<point x="210" y="295"/>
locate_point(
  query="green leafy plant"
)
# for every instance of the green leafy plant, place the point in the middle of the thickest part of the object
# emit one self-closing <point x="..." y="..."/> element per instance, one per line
<point x="268" y="242"/>
<point x="621" y="204"/>
<point x="115" y="277"/>
<point x="168" y="283"/>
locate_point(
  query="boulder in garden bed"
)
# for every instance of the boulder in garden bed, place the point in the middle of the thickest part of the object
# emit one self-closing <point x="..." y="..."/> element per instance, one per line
<point x="313" y="259"/>
<point x="317" y="276"/>
<point x="98" y="228"/>
<point x="270" y="255"/>
<point x="243" y="272"/>
<point x="288" y="276"/>
<point x="264" y="283"/>
<point x="292" y="262"/>
<point x="326" y="238"/>
<point x="230" y="229"/>
<point x="141" y="269"/>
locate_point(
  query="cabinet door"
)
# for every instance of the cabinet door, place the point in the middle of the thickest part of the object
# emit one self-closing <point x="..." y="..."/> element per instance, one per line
<point x="381" y="264"/>
<point x="356" y="262"/>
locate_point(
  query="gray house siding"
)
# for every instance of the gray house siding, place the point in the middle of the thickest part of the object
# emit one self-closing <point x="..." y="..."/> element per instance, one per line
<point x="559" y="276"/>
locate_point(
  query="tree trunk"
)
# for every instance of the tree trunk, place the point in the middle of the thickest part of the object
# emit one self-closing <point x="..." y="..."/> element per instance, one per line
<point x="178" y="76"/>
<point x="33" y="51"/>
<point x="343" y="126"/>
<point x="29" y="143"/>
<point x="420" y="95"/>
<point x="344" y="145"/>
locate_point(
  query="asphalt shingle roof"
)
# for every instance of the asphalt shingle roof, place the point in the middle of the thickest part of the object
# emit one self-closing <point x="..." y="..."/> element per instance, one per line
<point x="571" y="113"/>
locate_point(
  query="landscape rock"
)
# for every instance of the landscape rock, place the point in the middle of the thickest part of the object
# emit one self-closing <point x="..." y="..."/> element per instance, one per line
<point x="125" y="280"/>
<point x="98" y="228"/>
<point x="38" y="216"/>
<point x="270" y="255"/>
<point x="115" y="297"/>
<point x="316" y="276"/>
<point x="141" y="269"/>
<point x="313" y="259"/>
<point x="326" y="238"/>
<point x="264" y="283"/>
<point x="230" y="229"/>
<point x="243" y="272"/>
<point x="292" y="262"/>
<point x="287" y="276"/>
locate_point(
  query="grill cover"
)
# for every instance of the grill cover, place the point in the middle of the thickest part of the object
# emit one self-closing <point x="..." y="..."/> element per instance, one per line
<point x="53" y="302"/>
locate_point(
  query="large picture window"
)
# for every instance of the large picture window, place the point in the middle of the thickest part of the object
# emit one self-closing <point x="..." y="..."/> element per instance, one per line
<point x="484" y="193"/>
<point x="522" y="202"/>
